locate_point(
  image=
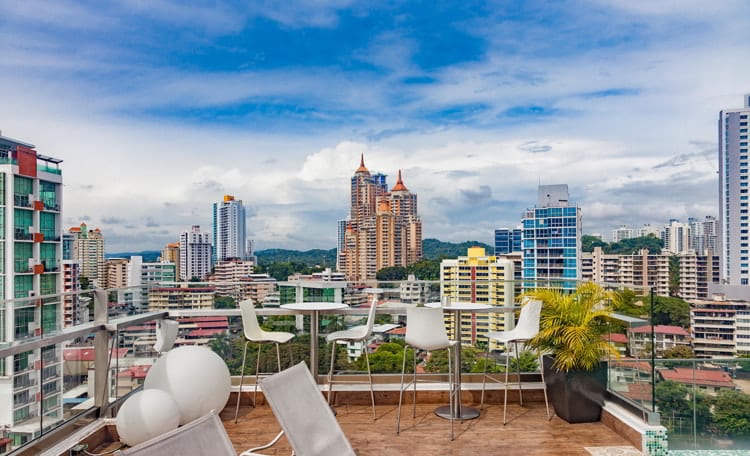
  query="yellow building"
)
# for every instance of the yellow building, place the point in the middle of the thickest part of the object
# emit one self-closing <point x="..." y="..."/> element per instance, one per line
<point x="182" y="298"/>
<point x="478" y="278"/>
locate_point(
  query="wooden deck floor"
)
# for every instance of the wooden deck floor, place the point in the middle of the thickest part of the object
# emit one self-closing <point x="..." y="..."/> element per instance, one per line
<point x="528" y="432"/>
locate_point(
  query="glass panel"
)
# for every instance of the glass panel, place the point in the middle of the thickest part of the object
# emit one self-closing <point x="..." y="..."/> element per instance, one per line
<point x="2" y="223"/>
<point x="48" y="195"/>
<point x="48" y="226"/>
<point x="22" y="188"/>
<point x="47" y="284"/>
<point x="24" y="316"/>
<point x="2" y="188"/>
<point x="22" y="285"/>
<point x="22" y="221"/>
<point x="47" y="254"/>
<point x="23" y="253"/>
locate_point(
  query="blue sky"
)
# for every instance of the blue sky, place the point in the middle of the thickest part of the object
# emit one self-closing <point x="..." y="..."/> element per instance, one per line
<point x="159" y="108"/>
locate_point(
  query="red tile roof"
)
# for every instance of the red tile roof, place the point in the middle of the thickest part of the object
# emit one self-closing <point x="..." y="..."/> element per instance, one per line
<point x="212" y="324"/>
<point x="224" y="319"/>
<point x="632" y="363"/>
<point x="661" y="329"/>
<point x="700" y="377"/>
<point x="135" y="371"/>
<point x="205" y="332"/>
<point x="88" y="353"/>
<point x="616" y="338"/>
<point x="398" y="331"/>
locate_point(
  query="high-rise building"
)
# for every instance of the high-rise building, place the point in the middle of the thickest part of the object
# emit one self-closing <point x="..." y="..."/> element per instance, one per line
<point x="703" y="234"/>
<point x="480" y="278"/>
<point x="621" y="233"/>
<point x="734" y="205"/>
<point x="88" y="249"/>
<point x="507" y="240"/>
<point x="552" y="240"/>
<point x="384" y="228"/>
<point x="31" y="248"/>
<point x="116" y="273"/>
<point x="229" y="230"/>
<point x="195" y="254"/>
<point x="676" y="237"/>
<point x="171" y="253"/>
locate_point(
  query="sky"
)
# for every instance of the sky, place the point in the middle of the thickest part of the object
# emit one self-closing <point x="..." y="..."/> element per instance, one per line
<point x="158" y="108"/>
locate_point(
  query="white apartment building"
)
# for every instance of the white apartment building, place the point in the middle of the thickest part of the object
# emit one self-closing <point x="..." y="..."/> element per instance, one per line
<point x="676" y="237"/>
<point x="720" y="328"/>
<point x="621" y="233"/>
<point x="195" y="254"/>
<point x="642" y="269"/>
<point x="229" y="237"/>
<point x="734" y="195"/>
<point x="31" y="383"/>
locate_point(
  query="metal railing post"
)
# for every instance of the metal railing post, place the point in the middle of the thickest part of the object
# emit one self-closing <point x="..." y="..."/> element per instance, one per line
<point x="101" y="350"/>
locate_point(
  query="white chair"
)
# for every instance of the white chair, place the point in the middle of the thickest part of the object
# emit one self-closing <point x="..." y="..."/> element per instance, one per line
<point x="166" y="335"/>
<point x="425" y="330"/>
<point x="356" y="334"/>
<point x="305" y="417"/>
<point x="526" y="328"/>
<point x="254" y="333"/>
<point x="205" y="435"/>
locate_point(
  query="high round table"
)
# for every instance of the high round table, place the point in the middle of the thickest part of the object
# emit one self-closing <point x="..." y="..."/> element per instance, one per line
<point x="459" y="412"/>
<point x="314" y="308"/>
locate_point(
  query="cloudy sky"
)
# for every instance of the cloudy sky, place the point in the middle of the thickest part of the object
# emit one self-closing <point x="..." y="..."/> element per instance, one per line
<point x="159" y="108"/>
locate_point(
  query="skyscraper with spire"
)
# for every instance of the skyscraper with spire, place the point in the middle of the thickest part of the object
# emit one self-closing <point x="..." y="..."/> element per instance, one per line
<point x="383" y="228"/>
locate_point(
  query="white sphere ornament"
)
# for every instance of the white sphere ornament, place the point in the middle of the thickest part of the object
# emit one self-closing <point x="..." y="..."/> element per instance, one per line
<point x="197" y="379"/>
<point x="145" y="415"/>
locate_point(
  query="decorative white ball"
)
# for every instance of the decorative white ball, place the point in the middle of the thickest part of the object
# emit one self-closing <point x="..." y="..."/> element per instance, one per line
<point x="145" y="415"/>
<point x="197" y="379"/>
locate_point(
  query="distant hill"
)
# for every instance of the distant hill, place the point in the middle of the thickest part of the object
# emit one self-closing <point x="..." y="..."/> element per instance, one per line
<point x="149" y="256"/>
<point x="432" y="249"/>
<point x="315" y="257"/>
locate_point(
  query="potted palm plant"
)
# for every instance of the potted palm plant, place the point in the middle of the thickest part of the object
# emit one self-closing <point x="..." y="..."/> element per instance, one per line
<point x="571" y="326"/>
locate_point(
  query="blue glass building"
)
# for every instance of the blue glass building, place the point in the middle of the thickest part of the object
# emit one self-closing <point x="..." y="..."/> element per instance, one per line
<point x="551" y="240"/>
<point x="507" y="241"/>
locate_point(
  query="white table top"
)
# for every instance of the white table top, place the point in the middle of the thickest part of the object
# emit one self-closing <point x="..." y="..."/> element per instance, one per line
<point x="316" y="305"/>
<point x="459" y="305"/>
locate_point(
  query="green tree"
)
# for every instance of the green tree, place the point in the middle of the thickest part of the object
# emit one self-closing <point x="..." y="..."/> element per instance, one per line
<point x="391" y="273"/>
<point x="679" y="351"/>
<point x="588" y="243"/>
<point x="671" y="311"/>
<point x="425" y="269"/>
<point x="388" y="358"/>
<point x="224" y="302"/>
<point x="679" y="405"/>
<point x="85" y="282"/>
<point x="732" y="413"/>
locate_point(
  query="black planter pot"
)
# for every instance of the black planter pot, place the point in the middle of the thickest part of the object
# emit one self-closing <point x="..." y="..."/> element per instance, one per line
<point x="577" y="396"/>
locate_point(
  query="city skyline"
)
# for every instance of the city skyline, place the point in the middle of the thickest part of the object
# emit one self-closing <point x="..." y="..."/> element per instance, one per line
<point x="158" y="109"/>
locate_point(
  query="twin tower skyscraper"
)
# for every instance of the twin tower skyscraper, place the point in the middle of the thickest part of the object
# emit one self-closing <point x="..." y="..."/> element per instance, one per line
<point x="383" y="228"/>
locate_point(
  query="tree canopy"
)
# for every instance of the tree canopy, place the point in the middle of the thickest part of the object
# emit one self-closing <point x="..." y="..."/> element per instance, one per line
<point x="624" y="247"/>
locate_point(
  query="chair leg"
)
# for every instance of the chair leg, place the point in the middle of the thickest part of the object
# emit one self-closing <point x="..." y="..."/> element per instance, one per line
<point x="369" y="376"/>
<point x="278" y="357"/>
<point x="330" y="372"/>
<point x="257" y="376"/>
<point x="518" y="373"/>
<point x="414" y="383"/>
<point x="484" y="377"/>
<point x="544" y="387"/>
<point x="401" y="393"/>
<point x="507" y="371"/>
<point x="453" y="392"/>
<point x="242" y="378"/>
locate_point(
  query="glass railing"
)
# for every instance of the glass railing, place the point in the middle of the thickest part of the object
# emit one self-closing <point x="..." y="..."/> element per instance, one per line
<point x="705" y="404"/>
<point x="114" y="333"/>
